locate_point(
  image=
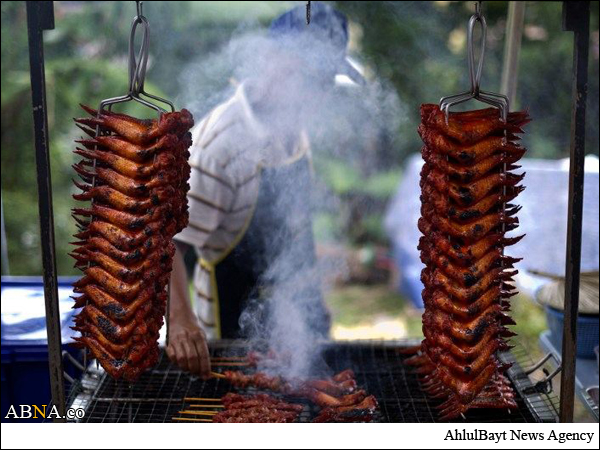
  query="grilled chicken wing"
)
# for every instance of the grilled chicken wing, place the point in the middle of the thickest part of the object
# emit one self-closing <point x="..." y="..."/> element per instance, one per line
<point x="466" y="187"/>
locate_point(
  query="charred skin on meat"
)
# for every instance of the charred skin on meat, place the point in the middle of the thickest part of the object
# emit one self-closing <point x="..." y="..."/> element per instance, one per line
<point x="467" y="185"/>
<point x="341" y="404"/>
<point x="134" y="174"/>
<point x="260" y="408"/>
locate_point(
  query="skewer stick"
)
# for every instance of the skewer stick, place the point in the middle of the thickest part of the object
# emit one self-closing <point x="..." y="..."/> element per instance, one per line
<point x="217" y="375"/>
<point x="199" y="413"/>
<point x="228" y="358"/>
<point x="229" y="363"/>
<point x="200" y="399"/>
<point x="207" y="406"/>
<point x="188" y="419"/>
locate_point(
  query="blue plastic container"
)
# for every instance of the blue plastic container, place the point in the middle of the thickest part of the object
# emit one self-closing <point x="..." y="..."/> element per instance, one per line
<point x="587" y="331"/>
<point x="25" y="376"/>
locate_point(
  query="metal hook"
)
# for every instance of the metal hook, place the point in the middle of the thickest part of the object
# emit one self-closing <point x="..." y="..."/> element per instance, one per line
<point x="307" y="13"/>
<point x="475" y="72"/>
<point x="137" y="76"/>
<point x="137" y="71"/>
<point x="137" y="67"/>
<point x="141" y="79"/>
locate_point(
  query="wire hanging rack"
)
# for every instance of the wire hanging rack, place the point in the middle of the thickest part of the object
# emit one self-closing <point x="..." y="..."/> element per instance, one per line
<point x="137" y="67"/>
<point x="476" y="93"/>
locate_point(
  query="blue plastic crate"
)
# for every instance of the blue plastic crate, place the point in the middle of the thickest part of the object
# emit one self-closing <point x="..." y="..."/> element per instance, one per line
<point x="25" y="376"/>
<point x="587" y="331"/>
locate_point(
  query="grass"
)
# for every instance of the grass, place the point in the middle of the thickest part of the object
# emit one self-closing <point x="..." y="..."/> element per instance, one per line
<point x="360" y="308"/>
<point x="531" y="321"/>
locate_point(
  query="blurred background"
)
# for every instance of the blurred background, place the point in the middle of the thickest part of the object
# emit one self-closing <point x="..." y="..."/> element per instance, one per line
<point x="415" y="50"/>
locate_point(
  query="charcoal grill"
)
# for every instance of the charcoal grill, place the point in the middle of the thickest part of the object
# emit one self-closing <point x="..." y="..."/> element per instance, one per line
<point x="380" y="369"/>
<point x="159" y="393"/>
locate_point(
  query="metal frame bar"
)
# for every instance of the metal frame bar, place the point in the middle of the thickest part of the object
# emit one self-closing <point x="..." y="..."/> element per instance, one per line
<point x="576" y="18"/>
<point x="5" y="265"/>
<point x="40" y="17"/>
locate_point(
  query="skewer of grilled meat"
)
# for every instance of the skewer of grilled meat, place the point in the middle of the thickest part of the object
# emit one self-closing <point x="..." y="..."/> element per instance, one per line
<point x="237" y="401"/>
<point x="259" y="408"/>
<point x="360" y="408"/>
<point x="342" y="394"/>
<point x="135" y="176"/>
<point x="258" y="414"/>
<point x="466" y="184"/>
<point x="360" y="412"/>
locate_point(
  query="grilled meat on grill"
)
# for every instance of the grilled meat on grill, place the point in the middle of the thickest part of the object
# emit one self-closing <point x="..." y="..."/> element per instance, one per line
<point x="258" y="414"/>
<point x="324" y="393"/>
<point x="231" y="397"/>
<point x="360" y="412"/>
<point x="237" y="401"/>
<point x="135" y="175"/>
<point x="339" y="385"/>
<point x="466" y="185"/>
<point x="259" y="408"/>
<point x="338" y="404"/>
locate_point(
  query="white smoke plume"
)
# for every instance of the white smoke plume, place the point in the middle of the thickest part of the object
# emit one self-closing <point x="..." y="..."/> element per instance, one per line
<point x="291" y="87"/>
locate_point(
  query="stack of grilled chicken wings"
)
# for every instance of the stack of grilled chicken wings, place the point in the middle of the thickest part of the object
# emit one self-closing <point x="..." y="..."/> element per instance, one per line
<point x="466" y="191"/>
<point x="135" y="175"/>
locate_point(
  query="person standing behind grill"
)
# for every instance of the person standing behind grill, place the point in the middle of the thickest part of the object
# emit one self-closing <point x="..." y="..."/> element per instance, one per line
<point x="249" y="198"/>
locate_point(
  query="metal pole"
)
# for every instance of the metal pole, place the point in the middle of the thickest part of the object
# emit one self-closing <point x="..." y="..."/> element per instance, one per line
<point x="576" y="18"/>
<point x="40" y="16"/>
<point x="5" y="266"/>
<point x="512" y="49"/>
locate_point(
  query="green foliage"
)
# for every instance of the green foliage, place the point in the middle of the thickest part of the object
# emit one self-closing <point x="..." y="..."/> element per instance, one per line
<point x="86" y="62"/>
<point x="382" y="185"/>
<point x="343" y="178"/>
<point x="415" y="46"/>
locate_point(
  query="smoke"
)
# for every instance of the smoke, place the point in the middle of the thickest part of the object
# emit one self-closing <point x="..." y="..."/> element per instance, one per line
<point x="290" y="85"/>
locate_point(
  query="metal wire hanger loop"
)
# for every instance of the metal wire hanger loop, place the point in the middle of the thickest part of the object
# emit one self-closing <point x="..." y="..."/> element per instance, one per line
<point x="475" y="75"/>
<point x="137" y="66"/>
<point x="475" y="72"/>
<point x="137" y="74"/>
<point x="143" y="63"/>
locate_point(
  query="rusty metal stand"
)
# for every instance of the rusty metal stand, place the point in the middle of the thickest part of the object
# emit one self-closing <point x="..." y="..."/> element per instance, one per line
<point x="576" y="18"/>
<point x="40" y="17"/>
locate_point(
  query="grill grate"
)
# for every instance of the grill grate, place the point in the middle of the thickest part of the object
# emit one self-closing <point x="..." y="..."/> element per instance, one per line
<point x="379" y="366"/>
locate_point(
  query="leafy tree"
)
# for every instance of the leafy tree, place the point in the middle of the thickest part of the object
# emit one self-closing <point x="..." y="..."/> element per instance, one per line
<point x="418" y="47"/>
